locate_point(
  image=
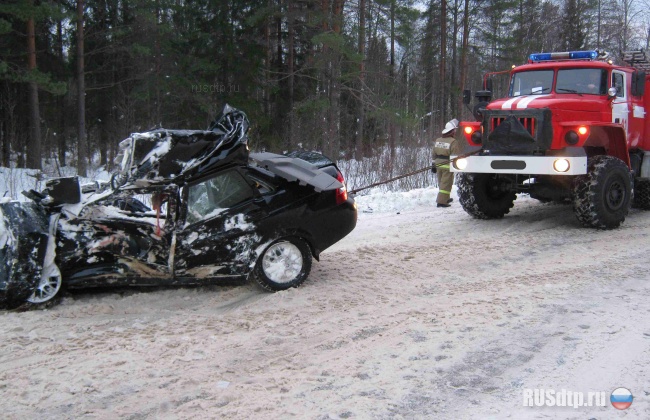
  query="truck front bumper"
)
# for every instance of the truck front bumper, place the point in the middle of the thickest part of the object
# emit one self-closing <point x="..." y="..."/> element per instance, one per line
<point x="525" y="165"/>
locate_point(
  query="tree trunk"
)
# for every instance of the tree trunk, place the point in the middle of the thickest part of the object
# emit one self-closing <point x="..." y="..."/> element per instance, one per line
<point x="103" y="142"/>
<point x="158" y="61"/>
<point x="82" y="146"/>
<point x="463" y="53"/>
<point x="334" y="117"/>
<point x="626" y="24"/>
<point x="391" y="124"/>
<point x="325" y="74"/>
<point x="598" y="27"/>
<point x="278" y="23"/>
<point x="267" y="65"/>
<point x="432" y="91"/>
<point x="443" y="62"/>
<point x="362" y="53"/>
<point x="8" y="108"/>
<point x="454" y="62"/>
<point x="392" y="39"/>
<point x="34" y="145"/>
<point x="61" y="100"/>
<point x="278" y="99"/>
<point x="5" y="135"/>
<point x="290" y="69"/>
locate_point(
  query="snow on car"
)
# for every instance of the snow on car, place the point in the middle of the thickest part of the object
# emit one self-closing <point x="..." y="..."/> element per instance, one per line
<point x="217" y="212"/>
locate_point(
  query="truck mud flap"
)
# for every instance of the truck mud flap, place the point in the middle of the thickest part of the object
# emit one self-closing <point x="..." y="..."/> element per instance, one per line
<point x="24" y="231"/>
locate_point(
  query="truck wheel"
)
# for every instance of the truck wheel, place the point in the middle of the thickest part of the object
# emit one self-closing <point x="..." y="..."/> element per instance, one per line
<point x="284" y="264"/>
<point x="641" y="195"/>
<point x="602" y="197"/>
<point x="485" y="196"/>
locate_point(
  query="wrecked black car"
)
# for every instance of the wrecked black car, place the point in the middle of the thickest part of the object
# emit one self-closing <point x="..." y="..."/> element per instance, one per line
<point x="186" y="207"/>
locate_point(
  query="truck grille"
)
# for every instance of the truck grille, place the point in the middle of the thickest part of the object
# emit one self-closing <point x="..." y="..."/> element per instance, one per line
<point x="517" y="132"/>
<point x="529" y="123"/>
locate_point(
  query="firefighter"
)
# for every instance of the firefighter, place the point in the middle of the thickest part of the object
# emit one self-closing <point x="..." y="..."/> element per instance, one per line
<point x="442" y="148"/>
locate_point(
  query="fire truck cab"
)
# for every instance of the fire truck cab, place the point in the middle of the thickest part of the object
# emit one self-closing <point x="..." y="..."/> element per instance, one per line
<point x="572" y="128"/>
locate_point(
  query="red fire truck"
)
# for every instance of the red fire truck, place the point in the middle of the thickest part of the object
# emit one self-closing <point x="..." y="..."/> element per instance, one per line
<point x="572" y="128"/>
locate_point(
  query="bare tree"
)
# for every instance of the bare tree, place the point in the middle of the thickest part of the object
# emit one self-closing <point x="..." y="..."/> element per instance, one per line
<point x="82" y="149"/>
<point x="443" y="60"/>
<point x="362" y="57"/>
<point x="34" y="146"/>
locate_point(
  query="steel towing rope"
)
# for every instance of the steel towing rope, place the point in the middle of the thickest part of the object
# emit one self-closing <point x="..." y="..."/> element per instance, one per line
<point x="428" y="168"/>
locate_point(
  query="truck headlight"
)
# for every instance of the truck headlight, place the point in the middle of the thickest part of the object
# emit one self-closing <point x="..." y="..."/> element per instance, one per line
<point x="460" y="164"/>
<point x="561" y="165"/>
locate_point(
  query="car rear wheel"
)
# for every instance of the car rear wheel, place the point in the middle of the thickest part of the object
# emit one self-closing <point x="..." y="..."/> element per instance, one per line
<point x="284" y="264"/>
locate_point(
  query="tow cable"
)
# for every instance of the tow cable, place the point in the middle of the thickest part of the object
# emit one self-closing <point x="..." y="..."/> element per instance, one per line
<point x="428" y="168"/>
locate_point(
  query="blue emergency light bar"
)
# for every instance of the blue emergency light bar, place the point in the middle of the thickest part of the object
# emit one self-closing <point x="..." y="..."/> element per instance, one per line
<point x="569" y="55"/>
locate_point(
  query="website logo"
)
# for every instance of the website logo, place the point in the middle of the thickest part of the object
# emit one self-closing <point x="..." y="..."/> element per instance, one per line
<point x="621" y="398"/>
<point x="540" y="397"/>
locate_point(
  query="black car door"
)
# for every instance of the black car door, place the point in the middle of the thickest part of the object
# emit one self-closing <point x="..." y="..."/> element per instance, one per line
<point x="219" y="236"/>
<point x="119" y="238"/>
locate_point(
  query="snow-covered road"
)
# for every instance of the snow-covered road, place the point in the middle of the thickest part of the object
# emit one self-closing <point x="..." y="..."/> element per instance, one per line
<point x="419" y="313"/>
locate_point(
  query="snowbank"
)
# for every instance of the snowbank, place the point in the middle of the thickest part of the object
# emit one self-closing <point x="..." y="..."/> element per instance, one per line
<point x="15" y="180"/>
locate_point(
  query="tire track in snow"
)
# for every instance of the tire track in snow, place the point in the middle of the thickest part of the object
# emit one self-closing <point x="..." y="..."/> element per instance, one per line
<point x="412" y="311"/>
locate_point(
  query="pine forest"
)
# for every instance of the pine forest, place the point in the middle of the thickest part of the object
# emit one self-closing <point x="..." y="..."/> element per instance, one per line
<point x="349" y="78"/>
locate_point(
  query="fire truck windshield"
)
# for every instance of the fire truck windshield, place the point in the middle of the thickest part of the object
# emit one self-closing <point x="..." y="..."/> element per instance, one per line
<point x="534" y="82"/>
<point x="582" y="81"/>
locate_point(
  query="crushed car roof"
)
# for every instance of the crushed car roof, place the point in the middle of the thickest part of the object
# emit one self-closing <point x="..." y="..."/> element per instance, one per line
<point x="162" y="155"/>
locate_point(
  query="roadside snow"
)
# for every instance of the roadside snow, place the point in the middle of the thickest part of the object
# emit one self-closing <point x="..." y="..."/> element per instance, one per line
<point x="392" y="202"/>
<point x="420" y="198"/>
<point x="6" y="237"/>
<point x="15" y="180"/>
<point x="419" y="313"/>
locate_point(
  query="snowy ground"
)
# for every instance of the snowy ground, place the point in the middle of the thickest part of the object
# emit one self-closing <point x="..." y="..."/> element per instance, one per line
<point x="419" y="313"/>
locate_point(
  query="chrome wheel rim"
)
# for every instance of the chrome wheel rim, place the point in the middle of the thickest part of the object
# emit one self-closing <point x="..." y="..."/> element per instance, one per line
<point x="282" y="262"/>
<point x="46" y="290"/>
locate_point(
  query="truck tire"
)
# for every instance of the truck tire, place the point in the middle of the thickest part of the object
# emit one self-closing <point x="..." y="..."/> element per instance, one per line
<point x="482" y="197"/>
<point x="641" y="194"/>
<point x="602" y="197"/>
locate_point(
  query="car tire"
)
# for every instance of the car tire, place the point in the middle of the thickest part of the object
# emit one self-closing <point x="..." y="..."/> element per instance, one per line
<point x="47" y="293"/>
<point x="602" y="197"/>
<point x="284" y="264"/>
<point x="482" y="197"/>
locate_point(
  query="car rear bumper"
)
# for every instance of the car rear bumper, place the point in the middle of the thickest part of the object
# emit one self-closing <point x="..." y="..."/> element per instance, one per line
<point x="334" y="225"/>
